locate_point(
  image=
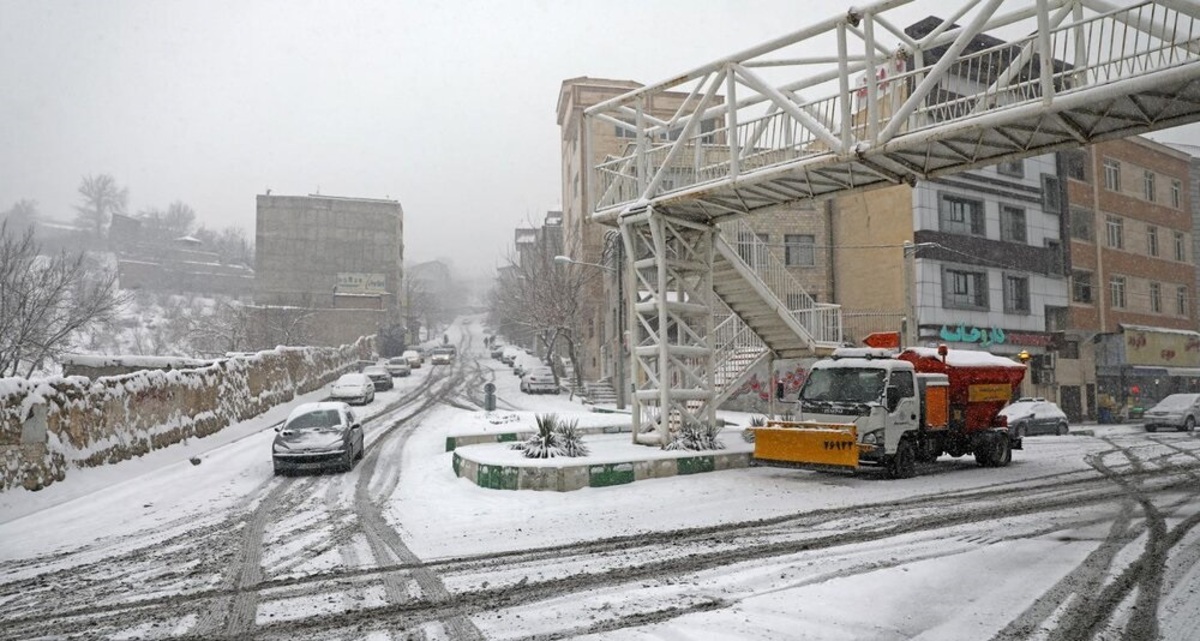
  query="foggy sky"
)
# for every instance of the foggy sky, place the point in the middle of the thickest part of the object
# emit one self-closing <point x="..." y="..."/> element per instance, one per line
<point x="448" y="107"/>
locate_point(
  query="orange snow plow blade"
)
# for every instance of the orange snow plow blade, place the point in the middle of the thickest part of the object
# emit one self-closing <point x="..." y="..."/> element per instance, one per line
<point x="806" y="444"/>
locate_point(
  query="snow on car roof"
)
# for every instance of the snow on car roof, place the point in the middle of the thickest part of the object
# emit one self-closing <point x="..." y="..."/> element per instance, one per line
<point x="352" y="377"/>
<point x="305" y="408"/>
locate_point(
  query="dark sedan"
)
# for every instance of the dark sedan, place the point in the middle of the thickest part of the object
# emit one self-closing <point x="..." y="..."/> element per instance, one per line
<point x="318" y="436"/>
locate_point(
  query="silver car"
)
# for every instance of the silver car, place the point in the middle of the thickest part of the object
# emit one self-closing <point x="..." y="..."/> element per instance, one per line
<point x="353" y="388"/>
<point x="1179" y="411"/>
<point x="317" y="436"/>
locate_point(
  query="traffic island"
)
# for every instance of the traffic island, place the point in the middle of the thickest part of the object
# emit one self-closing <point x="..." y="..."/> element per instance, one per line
<point x="613" y="460"/>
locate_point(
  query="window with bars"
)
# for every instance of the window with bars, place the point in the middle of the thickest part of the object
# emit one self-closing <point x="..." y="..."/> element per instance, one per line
<point x="1052" y="197"/>
<point x="960" y="215"/>
<point x="1151" y="240"/>
<point x="964" y="289"/>
<point x="1016" y="294"/>
<point x="1181" y="301"/>
<point x="754" y="253"/>
<point x="1083" y="223"/>
<point x="1156" y="298"/>
<point x="1112" y="175"/>
<point x="1148" y="186"/>
<point x="1077" y="164"/>
<point x="1081" y="286"/>
<point x="1116" y="232"/>
<point x="799" y="250"/>
<point x="1180" y="247"/>
<point x="1012" y="224"/>
<point x="1116" y="291"/>
<point x="1176" y="194"/>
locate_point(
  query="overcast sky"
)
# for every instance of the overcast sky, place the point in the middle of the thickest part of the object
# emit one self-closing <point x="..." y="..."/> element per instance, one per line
<point x="448" y="107"/>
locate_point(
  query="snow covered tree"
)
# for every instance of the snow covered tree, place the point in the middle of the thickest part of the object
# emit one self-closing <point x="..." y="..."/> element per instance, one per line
<point x="45" y="301"/>
<point x="21" y="215"/>
<point x="101" y="199"/>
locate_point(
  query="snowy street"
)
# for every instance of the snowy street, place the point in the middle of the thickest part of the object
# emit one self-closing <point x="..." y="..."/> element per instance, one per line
<point x="1086" y="536"/>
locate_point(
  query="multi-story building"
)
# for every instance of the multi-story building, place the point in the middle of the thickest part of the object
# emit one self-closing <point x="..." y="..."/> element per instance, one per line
<point x="986" y="269"/>
<point x="1131" y="335"/>
<point x="324" y="252"/>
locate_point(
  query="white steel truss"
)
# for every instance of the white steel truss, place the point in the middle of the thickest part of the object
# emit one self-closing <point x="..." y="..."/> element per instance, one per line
<point x="790" y="120"/>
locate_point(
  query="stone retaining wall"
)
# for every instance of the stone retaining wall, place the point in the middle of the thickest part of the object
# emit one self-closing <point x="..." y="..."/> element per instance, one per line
<point x="48" y="426"/>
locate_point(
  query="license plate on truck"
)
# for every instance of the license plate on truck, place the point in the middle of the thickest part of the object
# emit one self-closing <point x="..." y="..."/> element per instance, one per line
<point x="806" y="444"/>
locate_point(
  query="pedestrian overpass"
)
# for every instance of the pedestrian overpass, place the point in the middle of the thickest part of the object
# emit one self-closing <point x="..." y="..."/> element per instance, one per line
<point x="852" y="103"/>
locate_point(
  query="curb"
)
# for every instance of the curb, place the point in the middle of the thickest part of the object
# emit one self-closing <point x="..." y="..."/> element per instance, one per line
<point x="567" y="478"/>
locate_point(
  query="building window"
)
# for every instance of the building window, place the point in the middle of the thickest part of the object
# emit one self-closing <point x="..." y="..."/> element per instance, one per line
<point x="961" y="216"/>
<point x="1014" y="168"/>
<point x="1181" y="301"/>
<point x="799" y="250"/>
<point x="965" y="289"/>
<point x="1012" y="224"/>
<point x="1069" y="350"/>
<point x="1016" y="294"/>
<point x="1116" y="291"/>
<point x="1148" y="186"/>
<point x="1176" y="194"/>
<point x="1051" y="194"/>
<point x="1077" y="162"/>
<point x="1180" y="249"/>
<point x="1151" y="240"/>
<point x="623" y="131"/>
<point x="1082" y="224"/>
<point x="1081" y="286"/>
<point x="1112" y="175"/>
<point x="1156" y="298"/>
<point x="1116" y="232"/>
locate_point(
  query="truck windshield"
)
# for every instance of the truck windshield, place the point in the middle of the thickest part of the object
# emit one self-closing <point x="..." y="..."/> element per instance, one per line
<point x="843" y="385"/>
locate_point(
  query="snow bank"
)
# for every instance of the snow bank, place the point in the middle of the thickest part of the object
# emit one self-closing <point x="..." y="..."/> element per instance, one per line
<point x="49" y="425"/>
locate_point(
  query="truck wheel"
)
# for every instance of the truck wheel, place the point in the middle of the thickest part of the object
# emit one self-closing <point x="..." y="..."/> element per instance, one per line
<point x="1004" y="451"/>
<point x="984" y="450"/>
<point x="903" y="464"/>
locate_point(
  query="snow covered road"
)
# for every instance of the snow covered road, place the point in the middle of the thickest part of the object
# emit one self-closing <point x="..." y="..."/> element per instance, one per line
<point x="1086" y="536"/>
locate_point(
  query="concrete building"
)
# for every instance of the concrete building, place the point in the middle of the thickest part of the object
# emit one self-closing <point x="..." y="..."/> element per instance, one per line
<point x="326" y="252"/>
<point x="1131" y="334"/>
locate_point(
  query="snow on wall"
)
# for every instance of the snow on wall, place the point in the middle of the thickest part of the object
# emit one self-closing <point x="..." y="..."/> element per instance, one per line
<point x="49" y="425"/>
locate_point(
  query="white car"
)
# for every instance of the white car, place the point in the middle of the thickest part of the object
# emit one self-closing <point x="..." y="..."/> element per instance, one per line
<point x="414" y="358"/>
<point x="1180" y="411"/>
<point x="539" y="380"/>
<point x="353" y="388"/>
<point x="398" y="366"/>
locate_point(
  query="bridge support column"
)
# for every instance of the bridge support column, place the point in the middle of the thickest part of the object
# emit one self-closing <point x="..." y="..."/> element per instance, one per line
<point x="669" y="297"/>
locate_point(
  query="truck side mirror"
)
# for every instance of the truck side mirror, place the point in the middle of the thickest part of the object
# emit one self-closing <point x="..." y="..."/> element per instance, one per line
<point x="893" y="398"/>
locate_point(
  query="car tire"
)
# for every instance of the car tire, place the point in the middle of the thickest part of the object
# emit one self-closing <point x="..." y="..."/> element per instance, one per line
<point x="1062" y="429"/>
<point x="348" y="461"/>
<point x="1151" y="428"/>
<point x="903" y="464"/>
<point x="1189" y="424"/>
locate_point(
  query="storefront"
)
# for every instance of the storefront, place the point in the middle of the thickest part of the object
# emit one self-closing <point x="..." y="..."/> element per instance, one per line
<point x="1138" y="365"/>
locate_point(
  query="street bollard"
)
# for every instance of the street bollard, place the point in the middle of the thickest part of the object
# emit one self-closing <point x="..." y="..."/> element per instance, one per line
<point x="489" y="397"/>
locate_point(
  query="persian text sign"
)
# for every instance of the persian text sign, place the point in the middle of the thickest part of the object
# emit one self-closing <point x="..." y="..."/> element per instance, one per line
<point x="355" y="283"/>
<point x="1166" y="349"/>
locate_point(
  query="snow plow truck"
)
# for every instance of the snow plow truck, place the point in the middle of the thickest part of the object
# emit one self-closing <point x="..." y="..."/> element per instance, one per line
<point x="869" y="406"/>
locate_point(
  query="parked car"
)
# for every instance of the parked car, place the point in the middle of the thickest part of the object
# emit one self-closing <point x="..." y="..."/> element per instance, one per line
<point x="380" y="377"/>
<point x="539" y="380"/>
<point x="398" y="366"/>
<point x="1035" y="415"/>
<point x="497" y="351"/>
<point x="1179" y="411"/>
<point x="353" y="388"/>
<point x="318" y="436"/>
<point x="414" y="358"/>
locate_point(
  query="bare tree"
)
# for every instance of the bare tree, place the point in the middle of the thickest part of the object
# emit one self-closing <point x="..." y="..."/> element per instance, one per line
<point x="101" y="199"/>
<point x="230" y="243"/>
<point x="45" y="301"/>
<point x="22" y="214"/>
<point x="226" y="330"/>
<point x="161" y="226"/>
<point x="537" y="297"/>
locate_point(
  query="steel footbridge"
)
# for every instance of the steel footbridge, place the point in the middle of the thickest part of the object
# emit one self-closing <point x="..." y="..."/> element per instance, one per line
<point x="852" y="103"/>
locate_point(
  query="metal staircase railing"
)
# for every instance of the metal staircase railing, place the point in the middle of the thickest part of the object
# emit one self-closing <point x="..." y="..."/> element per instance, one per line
<point x="822" y="321"/>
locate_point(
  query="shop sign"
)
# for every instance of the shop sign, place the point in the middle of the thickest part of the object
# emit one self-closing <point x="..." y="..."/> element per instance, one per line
<point x="356" y="283"/>
<point x="1165" y="349"/>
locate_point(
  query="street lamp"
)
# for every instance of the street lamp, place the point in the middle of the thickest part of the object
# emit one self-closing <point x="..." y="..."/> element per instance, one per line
<point x="620" y="351"/>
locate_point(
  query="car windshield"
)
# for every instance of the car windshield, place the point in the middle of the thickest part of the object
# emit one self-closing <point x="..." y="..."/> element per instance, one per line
<point x="374" y="370"/>
<point x="397" y="361"/>
<point x="315" y="420"/>
<point x="843" y="385"/>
